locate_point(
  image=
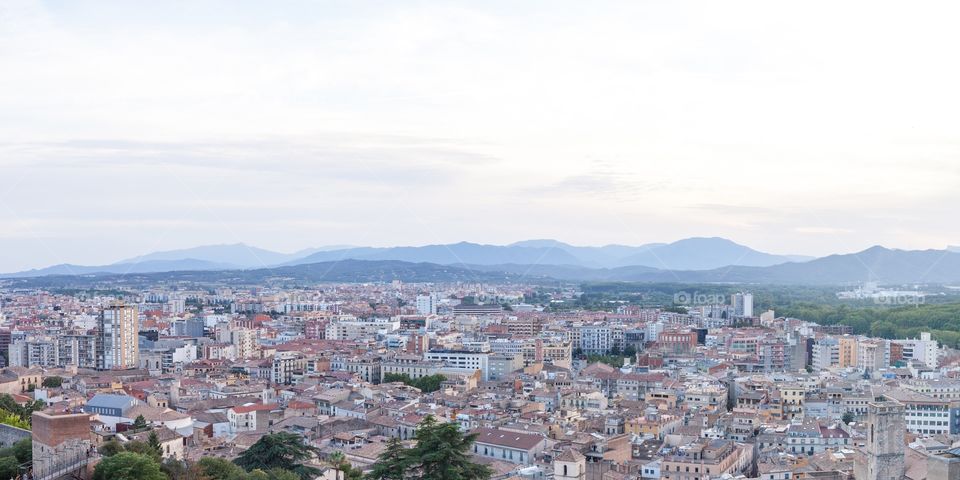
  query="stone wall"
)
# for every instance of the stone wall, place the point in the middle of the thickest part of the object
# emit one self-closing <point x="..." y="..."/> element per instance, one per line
<point x="10" y="435"/>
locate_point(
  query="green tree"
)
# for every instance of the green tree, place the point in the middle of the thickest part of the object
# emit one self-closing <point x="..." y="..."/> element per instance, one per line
<point x="110" y="448"/>
<point x="52" y="382"/>
<point x="9" y="408"/>
<point x="260" y="475"/>
<point x="281" y="474"/>
<point x="23" y="450"/>
<point x="343" y="469"/>
<point x="139" y="423"/>
<point x="351" y="473"/>
<point x="221" y="469"/>
<point x="427" y="384"/>
<point x="180" y="470"/>
<point x="128" y="466"/>
<point x="9" y="467"/>
<point x="14" y="420"/>
<point x="143" y="448"/>
<point x="154" y="442"/>
<point x="442" y="453"/>
<point x="340" y="465"/>
<point x="26" y="412"/>
<point x="279" y="450"/>
<point x="847" y="417"/>
<point x="392" y="464"/>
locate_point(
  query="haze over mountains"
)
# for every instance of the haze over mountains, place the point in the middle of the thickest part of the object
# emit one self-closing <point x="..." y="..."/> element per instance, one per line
<point x="687" y="254"/>
<point x="688" y="260"/>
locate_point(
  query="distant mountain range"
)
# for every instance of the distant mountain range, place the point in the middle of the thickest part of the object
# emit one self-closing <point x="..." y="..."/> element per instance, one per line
<point x="690" y="260"/>
<point x="688" y="254"/>
<point x="878" y="264"/>
<point x="237" y="255"/>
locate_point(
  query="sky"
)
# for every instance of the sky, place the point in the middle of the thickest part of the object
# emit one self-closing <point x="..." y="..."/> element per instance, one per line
<point x="793" y="127"/>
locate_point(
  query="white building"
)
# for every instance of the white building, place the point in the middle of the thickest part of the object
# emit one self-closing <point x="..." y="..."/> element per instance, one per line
<point x="653" y="331"/>
<point x="462" y="359"/>
<point x="250" y="417"/>
<point x="595" y="339"/>
<point x="742" y="304"/>
<point x="352" y="328"/>
<point x="426" y="305"/>
<point x="924" y="349"/>
<point x="826" y="354"/>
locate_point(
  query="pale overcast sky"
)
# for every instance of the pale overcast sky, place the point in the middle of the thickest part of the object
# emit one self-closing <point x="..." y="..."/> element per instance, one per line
<point x="792" y="127"/>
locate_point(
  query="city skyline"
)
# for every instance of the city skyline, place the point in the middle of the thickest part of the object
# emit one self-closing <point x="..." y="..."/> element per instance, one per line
<point x="412" y="124"/>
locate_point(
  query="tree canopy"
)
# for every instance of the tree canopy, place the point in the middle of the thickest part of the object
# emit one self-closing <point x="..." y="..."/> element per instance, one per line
<point x="427" y="384"/>
<point x="941" y="320"/>
<point x="52" y="382"/>
<point x="281" y="450"/>
<point x="128" y="466"/>
<point x="442" y="452"/>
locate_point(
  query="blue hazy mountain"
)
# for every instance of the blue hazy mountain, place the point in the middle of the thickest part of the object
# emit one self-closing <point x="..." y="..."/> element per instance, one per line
<point x="879" y="264"/>
<point x="147" y="266"/>
<point x="687" y="254"/>
<point x="237" y="255"/>
<point x="463" y="253"/>
<point x="605" y="256"/>
<point x="886" y="266"/>
<point x="701" y="253"/>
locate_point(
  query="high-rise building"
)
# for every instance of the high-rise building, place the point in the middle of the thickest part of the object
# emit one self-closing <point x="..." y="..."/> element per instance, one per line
<point x="883" y="457"/>
<point x="742" y="304"/>
<point x="118" y="347"/>
<point x="426" y="304"/>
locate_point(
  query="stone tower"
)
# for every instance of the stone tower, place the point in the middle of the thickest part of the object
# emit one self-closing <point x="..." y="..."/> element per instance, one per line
<point x="884" y="451"/>
<point x="570" y="465"/>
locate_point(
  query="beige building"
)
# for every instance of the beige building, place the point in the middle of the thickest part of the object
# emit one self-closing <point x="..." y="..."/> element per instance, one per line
<point x="706" y="459"/>
<point x="570" y="465"/>
<point x="15" y="380"/>
<point x="848" y="351"/>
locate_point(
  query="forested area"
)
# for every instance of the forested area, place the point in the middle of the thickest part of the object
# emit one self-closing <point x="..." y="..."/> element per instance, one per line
<point x="942" y="320"/>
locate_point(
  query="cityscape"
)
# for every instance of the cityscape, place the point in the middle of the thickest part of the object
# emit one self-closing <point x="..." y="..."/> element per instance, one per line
<point x="649" y="383"/>
<point x="453" y="240"/>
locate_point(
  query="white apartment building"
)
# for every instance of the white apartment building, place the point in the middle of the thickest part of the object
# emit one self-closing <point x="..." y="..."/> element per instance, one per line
<point x="462" y="359"/>
<point x="426" y="305"/>
<point x="924" y="349"/>
<point x="595" y="339"/>
<point x="351" y="328"/>
<point x="826" y="354"/>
